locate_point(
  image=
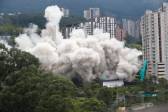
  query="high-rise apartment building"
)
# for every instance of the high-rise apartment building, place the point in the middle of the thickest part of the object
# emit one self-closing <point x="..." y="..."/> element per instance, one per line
<point x="65" y="11"/>
<point x="66" y="31"/>
<point x="154" y="32"/>
<point x="92" y="13"/>
<point x="88" y="27"/>
<point x="86" y="14"/>
<point x="107" y="24"/>
<point x="137" y="29"/>
<point x="132" y="27"/>
<point x="120" y="33"/>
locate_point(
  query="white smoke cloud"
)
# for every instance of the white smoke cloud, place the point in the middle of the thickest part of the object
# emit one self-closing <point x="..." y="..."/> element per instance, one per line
<point x="90" y="57"/>
<point x="5" y="43"/>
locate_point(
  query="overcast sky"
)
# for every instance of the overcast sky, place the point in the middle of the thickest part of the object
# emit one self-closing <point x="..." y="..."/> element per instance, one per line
<point x="116" y="7"/>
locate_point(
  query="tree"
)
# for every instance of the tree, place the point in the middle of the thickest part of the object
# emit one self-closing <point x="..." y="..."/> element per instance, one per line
<point x="27" y="88"/>
<point x="31" y="90"/>
<point x="55" y="103"/>
<point x="91" y="89"/>
<point x="93" y="105"/>
<point x="135" y="46"/>
<point x="20" y="91"/>
<point x="10" y="29"/>
<point x="12" y="60"/>
<point x="107" y="95"/>
<point x="132" y="40"/>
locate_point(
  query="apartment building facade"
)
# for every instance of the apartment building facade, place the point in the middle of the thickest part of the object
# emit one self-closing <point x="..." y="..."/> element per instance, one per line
<point x="107" y="24"/>
<point x="91" y="13"/>
<point x="154" y="32"/>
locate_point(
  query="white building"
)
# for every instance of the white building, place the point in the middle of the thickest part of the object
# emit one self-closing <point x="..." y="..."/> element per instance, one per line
<point x="86" y="14"/>
<point x="107" y="24"/>
<point x="66" y="31"/>
<point x="131" y="28"/>
<point x="92" y="13"/>
<point x="154" y="31"/>
<point x="65" y="11"/>
<point x="113" y="83"/>
<point x="88" y="27"/>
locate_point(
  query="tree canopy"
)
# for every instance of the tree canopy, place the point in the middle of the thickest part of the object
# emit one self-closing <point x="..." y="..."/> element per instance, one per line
<point x="25" y="87"/>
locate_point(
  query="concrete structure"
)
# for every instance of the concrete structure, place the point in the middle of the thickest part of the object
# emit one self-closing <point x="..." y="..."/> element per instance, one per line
<point x="92" y="13"/>
<point x="155" y="108"/>
<point x="154" y="31"/>
<point x="113" y="83"/>
<point x="66" y="31"/>
<point x="86" y="14"/>
<point x="132" y="27"/>
<point x="120" y="33"/>
<point x="66" y="12"/>
<point x="137" y="29"/>
<point x="88" y="27"/>
<point x="107" y="24"/>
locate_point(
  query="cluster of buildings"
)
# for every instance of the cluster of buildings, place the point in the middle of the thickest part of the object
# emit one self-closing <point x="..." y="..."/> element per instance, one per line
<point x="152" y="27"/>
<point x="109" y="24"/>
<point x="154" y="31"/>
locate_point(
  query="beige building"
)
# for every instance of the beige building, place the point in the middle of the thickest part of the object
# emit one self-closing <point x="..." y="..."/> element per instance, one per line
<point x="120" y="33"/>
<point x="154" y="32"/>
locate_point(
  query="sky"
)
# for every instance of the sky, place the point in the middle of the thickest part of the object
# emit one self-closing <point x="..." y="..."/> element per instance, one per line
<point x="127" y="8"/>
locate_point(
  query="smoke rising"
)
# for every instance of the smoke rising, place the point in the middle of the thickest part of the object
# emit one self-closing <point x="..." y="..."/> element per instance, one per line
<point x="88" y="56"/>
<point x="5" y="43"/>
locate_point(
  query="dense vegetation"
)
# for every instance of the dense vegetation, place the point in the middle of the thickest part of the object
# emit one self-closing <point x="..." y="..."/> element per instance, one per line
<point x="13" y="25"/>
<point x="23" y="20"/>
<point x="10" y="29"/>
<point x="24" y="87"/>
<point x="130" y="40"/>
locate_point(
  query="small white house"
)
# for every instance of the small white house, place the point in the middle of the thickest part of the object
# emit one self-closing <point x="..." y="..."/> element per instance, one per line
<point x="113" y="83"/>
